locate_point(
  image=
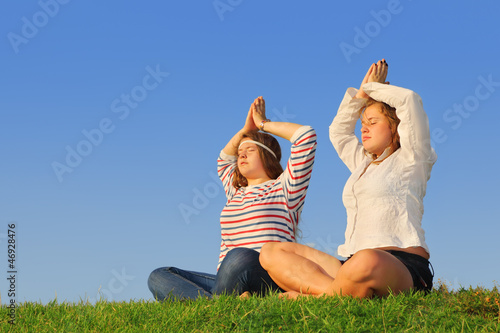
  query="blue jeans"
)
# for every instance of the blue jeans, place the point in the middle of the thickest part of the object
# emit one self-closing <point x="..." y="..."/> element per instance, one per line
<point x="170" y="283"/>
<point x="240" y="271"/>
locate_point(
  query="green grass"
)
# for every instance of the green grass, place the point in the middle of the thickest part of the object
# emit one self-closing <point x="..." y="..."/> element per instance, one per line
<point x="466" y="310"/>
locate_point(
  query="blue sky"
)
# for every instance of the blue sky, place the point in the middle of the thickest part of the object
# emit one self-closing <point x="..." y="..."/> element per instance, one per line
<point x="113" y="114"/>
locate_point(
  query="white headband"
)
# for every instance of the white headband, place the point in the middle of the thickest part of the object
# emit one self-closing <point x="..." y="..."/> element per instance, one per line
<point x="259" y="144"/>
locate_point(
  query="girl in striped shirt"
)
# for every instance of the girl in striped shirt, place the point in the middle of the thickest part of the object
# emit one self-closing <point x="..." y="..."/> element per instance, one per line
<point x="263" y="205"/>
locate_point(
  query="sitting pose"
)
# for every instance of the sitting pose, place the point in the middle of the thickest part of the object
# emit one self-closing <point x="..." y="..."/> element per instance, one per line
<point x="263" y="205"/>
<point x="384" y="240"/>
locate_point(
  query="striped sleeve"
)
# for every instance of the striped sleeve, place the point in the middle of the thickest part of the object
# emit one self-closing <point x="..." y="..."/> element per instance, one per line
<point x="225" y="169"/>
<point x="297" y="174"/>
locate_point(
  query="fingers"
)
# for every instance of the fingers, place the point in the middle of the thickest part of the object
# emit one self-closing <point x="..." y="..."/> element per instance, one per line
<point x="260" y="105"/>
<point x="372" y="67"/>
<point x="381" y="67"/>
<point x="380" y="64"/>
<point x="376" y="73"/>
<point x="370" y="71"/>
<point x="379" y="72"/>
<point x="249" y="123"/>
<point x="258" y="111"/>
<point x="251" y="110"/>
<point x="255" y="107"/>
<point x="256" y="114"/>
<point x="260" y="102"/>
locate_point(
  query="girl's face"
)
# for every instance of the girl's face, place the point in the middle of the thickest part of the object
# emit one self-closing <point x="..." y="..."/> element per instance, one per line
<point x="249" y="162"/>
<point x="376" y="133"/>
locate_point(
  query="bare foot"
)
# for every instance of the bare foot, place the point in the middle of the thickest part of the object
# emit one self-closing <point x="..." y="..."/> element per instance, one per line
<point x="245" y="295"/>
<point x="290" y="295"/>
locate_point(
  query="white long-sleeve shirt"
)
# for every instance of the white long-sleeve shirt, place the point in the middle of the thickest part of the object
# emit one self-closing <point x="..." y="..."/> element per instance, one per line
<point x="384" y="203"/>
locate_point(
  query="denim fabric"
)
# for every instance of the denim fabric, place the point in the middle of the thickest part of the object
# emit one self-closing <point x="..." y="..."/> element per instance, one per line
<point x="241" y="271"/>
<point x="176" y="284"/>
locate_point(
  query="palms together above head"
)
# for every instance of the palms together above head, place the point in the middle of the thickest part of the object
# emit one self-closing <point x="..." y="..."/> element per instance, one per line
<point x="249" y="122"/>
<point x="259" y="110"/>
<point x="256" y="114"/>
<point x="376" y="73"/>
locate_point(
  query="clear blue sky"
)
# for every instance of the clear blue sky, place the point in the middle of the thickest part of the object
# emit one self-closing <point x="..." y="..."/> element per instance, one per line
<point x="113" y="114"/>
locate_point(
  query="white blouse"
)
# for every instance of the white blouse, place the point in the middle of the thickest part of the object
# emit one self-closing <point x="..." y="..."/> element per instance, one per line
<point x="384" y="201"/>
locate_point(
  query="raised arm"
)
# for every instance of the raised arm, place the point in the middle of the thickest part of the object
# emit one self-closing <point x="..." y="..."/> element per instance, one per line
<point x="342" y="128"/>
<point x="297" y="174"/>
<point x="376" y="73"/>
<point x="231" y="147"/>
<point x="256" y="119"/>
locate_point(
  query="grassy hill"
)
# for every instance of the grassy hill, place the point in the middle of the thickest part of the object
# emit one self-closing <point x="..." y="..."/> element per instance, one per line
<point x="465" y="310"/>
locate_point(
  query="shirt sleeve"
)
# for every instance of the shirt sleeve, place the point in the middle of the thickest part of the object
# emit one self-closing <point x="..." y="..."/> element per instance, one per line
<point x="413" y="128"/>
<point x="342" y="128"/>
<point x="225" y="169"/>
<point x="296" y="177"/>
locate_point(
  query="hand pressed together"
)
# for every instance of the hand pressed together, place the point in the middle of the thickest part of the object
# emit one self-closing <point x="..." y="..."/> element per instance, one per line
<point x="376" y="73"/>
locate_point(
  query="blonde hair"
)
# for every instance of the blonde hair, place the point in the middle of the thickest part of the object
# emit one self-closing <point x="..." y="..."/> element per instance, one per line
<point x="390" y="113"/>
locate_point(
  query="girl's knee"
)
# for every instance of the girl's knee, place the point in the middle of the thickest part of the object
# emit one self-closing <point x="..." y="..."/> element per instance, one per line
<point x="241" y="253"/>
<point x="369" y="257"/>
<point x="363" y="265"/>
<point x="240" y="257"/>
<point x="267" y="254"/>
<point x="157" y="273"/>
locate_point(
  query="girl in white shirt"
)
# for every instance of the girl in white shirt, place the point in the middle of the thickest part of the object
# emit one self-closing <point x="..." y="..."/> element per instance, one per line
<point x="384" y="240"/>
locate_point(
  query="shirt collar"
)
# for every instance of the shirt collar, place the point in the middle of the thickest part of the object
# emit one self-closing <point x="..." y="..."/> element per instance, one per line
<point x="388" y="151"/>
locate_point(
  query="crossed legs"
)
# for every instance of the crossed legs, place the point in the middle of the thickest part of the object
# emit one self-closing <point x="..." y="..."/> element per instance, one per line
<point x="299" y="269"/>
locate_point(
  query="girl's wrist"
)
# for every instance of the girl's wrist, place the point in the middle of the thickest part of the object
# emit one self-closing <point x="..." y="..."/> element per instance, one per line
<point x="263" y="123"/>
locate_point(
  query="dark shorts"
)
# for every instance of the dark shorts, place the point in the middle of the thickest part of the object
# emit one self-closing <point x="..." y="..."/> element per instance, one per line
<point x="419" y="268"/>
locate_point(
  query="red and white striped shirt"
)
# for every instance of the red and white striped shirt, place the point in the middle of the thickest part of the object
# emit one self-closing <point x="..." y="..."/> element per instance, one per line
<point x="268" y="212"/>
